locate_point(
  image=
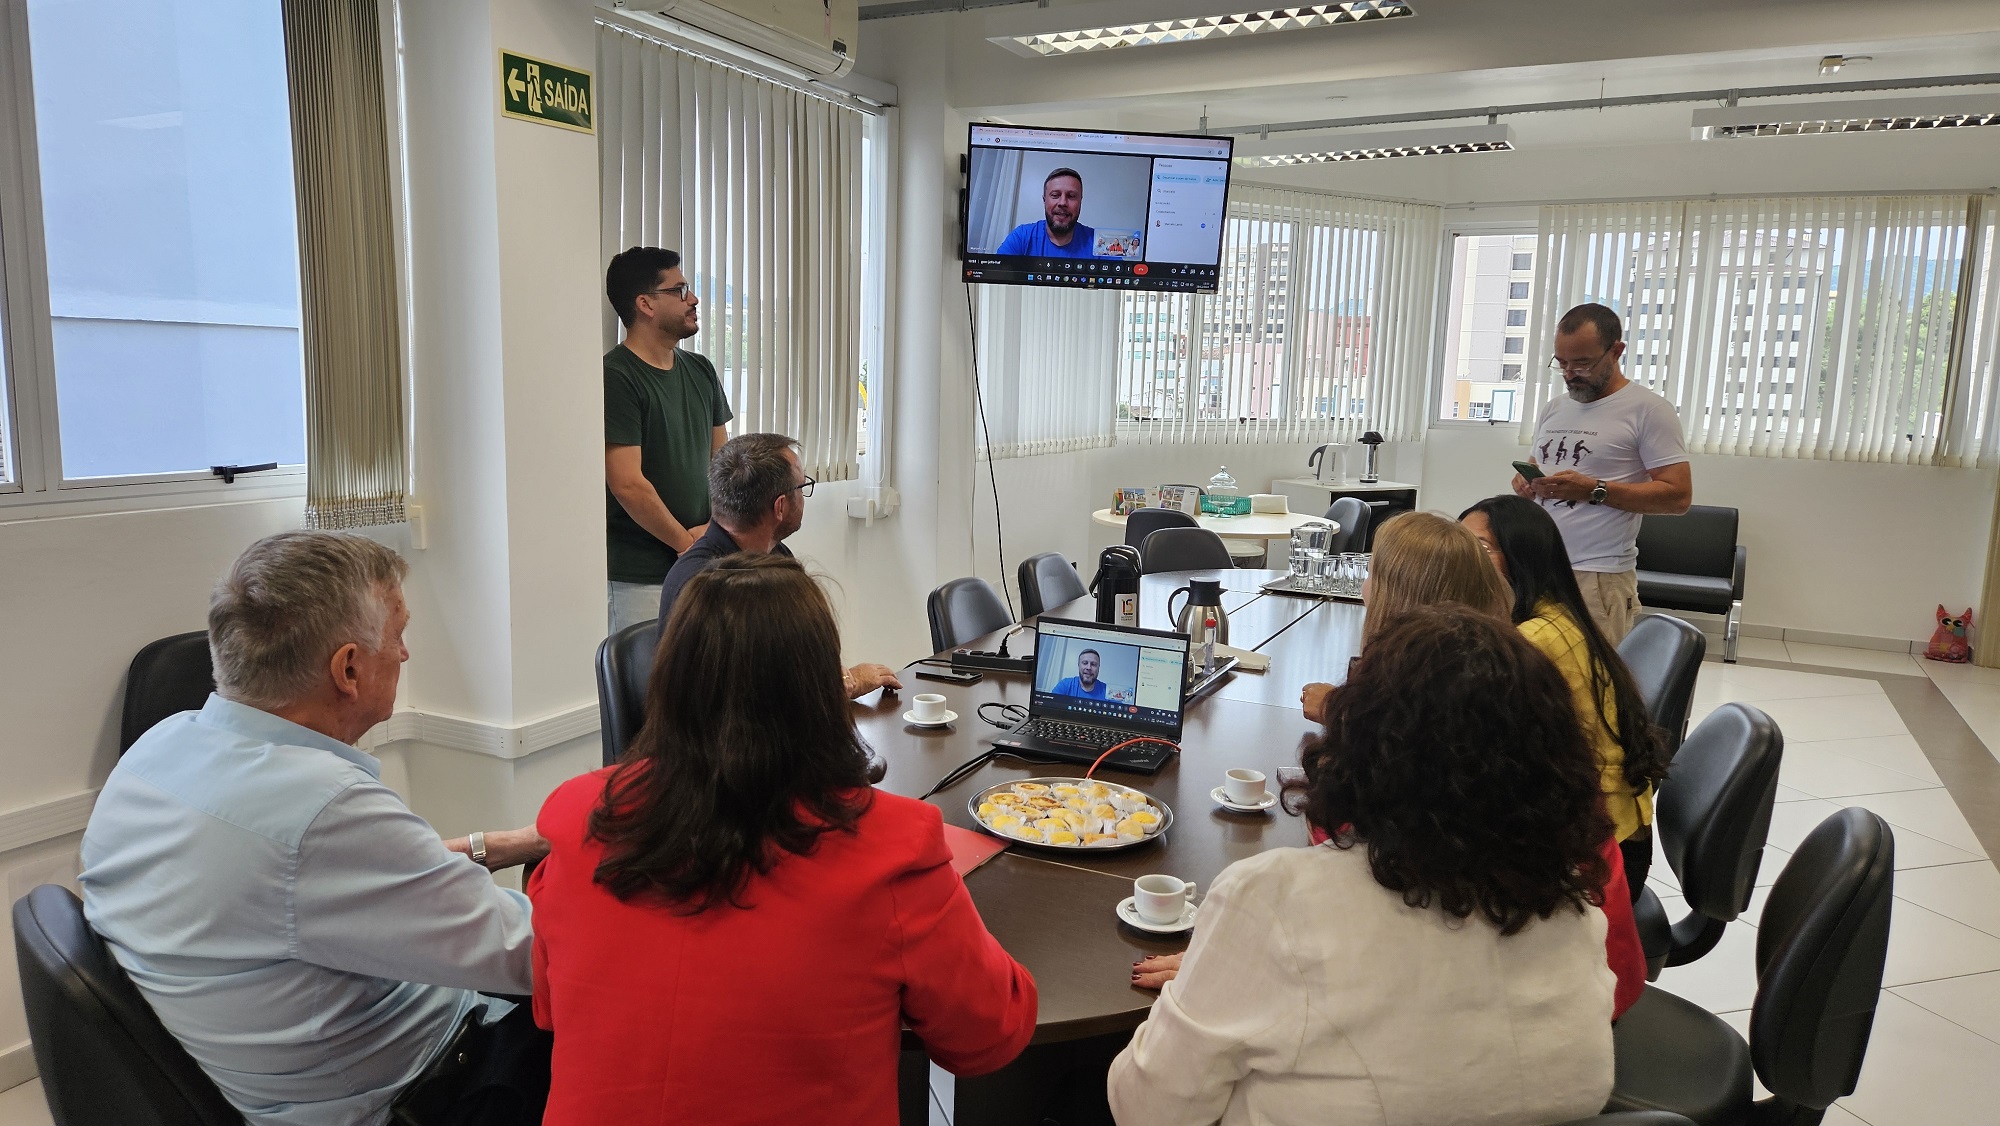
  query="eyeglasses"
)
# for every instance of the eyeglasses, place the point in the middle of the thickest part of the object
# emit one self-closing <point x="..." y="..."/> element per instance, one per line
<point x="805" y="487"/>
<point x="1576" y="367"/>
<point x="682" y="291"/>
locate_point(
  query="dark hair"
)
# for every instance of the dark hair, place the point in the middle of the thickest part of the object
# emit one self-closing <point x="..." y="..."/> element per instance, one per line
<point x="1070" y="172"/>
<point x="1092" y="652"/>
<point x="748" y="751"/>
<point x="1452" y="754"/>
<point x="747" y="474"/>
<point x="1538" y="569"/>
<point x="1610" y="330"/>
<point x="632" y="273"/>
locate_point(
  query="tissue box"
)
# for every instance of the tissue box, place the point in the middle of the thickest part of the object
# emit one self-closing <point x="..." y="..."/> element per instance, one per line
<point x="1269" y="502"/>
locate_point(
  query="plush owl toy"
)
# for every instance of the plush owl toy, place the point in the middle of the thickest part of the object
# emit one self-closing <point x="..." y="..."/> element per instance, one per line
<point x="1949" y="643"/>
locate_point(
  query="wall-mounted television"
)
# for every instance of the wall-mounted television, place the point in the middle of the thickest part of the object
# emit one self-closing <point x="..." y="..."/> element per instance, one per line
<point x="1094" y="210"/>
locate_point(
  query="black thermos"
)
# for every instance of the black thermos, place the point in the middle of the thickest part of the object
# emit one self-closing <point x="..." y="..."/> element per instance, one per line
<point x="1117" y="586"/>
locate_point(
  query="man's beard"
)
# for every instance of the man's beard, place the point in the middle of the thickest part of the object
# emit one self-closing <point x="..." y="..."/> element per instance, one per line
<point x="1584" y="392"/>
<point x="1063" y="229"/>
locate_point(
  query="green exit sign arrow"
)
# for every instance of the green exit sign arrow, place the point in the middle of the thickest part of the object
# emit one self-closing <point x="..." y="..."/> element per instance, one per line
<point x="538" y="90"/>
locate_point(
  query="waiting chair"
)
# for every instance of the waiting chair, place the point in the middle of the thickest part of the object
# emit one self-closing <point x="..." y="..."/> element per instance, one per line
<point x="1184" y="549"/>
<point x="168" y="676"/>
<point x="1352" y="515"/>
<point x="1821" y="944"/>
<point x="103" y="1054"/>
<point x="1143" y="522"/>
<point x="1664" y="655"/>
<point x="624" y="666"/>
<point x="1047" y="580"/>
<point x="1633" y="1118"/>
<point x="1710" y="818"/>
<point x="1693" y="562"/>
<point x="963" y="609"/>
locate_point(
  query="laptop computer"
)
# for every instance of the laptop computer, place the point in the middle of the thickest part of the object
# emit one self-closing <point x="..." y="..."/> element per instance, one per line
<point x="1098" y="685"/>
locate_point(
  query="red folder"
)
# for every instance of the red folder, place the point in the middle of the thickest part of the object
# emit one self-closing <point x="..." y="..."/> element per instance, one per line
<point x="970" y="849"/>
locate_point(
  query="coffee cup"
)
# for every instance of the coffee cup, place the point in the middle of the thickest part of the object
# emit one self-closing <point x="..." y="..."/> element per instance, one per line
<point x="928" y="707"/>
<point x="1161" y="899"/>
<point x="1244" y="787"/>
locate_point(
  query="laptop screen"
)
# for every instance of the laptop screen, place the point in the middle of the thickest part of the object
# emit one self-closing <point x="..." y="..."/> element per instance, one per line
<point x="1113" y="675"/>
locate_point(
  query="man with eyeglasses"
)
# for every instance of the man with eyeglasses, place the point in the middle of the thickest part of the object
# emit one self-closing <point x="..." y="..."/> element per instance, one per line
<point x="1611" y="451"/>
<point x="757" y="490"/>
<point x="664" y="417"/>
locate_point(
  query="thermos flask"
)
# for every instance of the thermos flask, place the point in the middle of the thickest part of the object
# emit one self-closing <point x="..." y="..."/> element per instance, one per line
<point x="1117" y="586"/>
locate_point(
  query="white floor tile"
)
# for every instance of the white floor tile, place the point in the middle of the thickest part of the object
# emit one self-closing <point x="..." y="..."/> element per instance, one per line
<point x="1864" y="660"/>
<point x="1838" y="1115"/>
<point x="1754" y="648"/>
<point x="1817" y="772"/>
<point x="1899" y="753"/>
<point x="23" y="1106"/>
<point x="1978" y="703"/>
<point x="1923" y="1070"/>
<point x="1930" y="812"/>
<point x="1945" y="672"/>
<point x="1834" y="717"/>
<point x="1741" y="682"/>
<point x="1786" y="793"/>
<point x="1926" y="946"/>
<point x="1972" y="1001"/>
<point x="1791" y="821"/>
<point x="1968" y="893"/>
<point x="1722" y="980"/>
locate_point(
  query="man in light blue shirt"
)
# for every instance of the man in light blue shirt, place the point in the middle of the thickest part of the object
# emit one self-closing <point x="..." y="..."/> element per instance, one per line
<point x="308" y="938"/>
<point x="1085" y="682"/>
<point x="1058" y="234"/>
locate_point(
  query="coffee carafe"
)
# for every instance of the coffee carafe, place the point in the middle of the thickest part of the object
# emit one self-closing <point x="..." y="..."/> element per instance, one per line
<point x="1117" y="585"/>
<point x="1203" y="619"/>
<point x="1371" y="460"/>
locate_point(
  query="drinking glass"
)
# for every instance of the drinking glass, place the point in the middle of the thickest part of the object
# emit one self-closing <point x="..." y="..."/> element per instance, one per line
<point x="1326" y="571"/>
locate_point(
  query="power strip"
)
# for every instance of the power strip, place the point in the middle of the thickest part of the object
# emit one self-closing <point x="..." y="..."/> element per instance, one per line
<point x="965" y="660"/>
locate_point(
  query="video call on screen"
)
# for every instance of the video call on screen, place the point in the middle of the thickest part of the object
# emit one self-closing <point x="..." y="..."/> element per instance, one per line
<point x="1141" y="211"/>
<point x="1088" y="676"/>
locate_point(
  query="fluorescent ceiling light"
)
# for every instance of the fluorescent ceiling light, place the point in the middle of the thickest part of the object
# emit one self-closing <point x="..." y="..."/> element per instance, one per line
<point x="1088" y="28"/>
<point x="1288" y="150"/>
<point x="1798" y="119"/>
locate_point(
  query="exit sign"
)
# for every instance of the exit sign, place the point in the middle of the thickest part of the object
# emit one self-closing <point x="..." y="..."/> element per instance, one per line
<point x="538" y="90"/>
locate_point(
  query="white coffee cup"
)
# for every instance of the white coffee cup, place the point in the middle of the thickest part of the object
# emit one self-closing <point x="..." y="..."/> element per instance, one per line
<point x="927" y="706"/>
<point x="1244" y="787"/>
<point x="1161" y="899"/>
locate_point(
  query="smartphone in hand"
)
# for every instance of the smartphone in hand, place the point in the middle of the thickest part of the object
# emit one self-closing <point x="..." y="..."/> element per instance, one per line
<point x="1528" y="470"/>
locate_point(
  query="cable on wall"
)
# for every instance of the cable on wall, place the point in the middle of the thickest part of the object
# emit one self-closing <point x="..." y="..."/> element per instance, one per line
<point x="986" y="437"/>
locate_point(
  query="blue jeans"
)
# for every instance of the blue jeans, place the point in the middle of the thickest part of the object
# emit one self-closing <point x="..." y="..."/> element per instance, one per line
<point x="631" y="603"/>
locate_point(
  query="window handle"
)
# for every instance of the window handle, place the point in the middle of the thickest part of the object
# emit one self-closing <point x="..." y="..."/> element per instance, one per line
<point x="228" y="472"/>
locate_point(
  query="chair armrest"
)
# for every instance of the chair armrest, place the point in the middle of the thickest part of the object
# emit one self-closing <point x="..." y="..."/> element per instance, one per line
<point x="1736" y="573"/>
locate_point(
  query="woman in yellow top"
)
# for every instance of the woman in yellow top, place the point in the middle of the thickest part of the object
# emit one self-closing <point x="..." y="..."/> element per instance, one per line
<point x="1527" y="549"/>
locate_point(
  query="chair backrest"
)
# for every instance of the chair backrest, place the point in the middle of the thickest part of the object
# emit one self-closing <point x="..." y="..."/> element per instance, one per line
<point x="103" y="1054"/>
<point x="1184" y="549"/>
<point x="168" y="676"/>
<point x="1664" y="653"/>
<point x="963" y="609"/>
<point x="624" y="665"/>
<point x="1700" y="542"/>
<point x="1713" y="811"/>
<point x="1047" y="580"/>
<point x="1821" y="944"/>
<point x="1634" y="1118"/>
<point x="1143" y="522"/>
<point x="1352" y="514"/>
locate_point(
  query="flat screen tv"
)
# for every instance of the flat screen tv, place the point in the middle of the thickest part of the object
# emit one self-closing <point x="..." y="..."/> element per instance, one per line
<point x="1094" y="210"/>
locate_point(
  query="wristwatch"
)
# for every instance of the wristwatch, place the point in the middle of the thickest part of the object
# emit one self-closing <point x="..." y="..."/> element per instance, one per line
<point x="478" y="843"/>
<point x="1598" y="494"/>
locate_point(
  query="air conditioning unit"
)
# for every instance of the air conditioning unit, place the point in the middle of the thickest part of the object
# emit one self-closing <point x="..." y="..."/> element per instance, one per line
<point x="815" y="35"/>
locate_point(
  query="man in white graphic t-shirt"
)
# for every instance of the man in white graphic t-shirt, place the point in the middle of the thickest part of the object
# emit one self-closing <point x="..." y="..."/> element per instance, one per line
<point x="1612" y="451"/>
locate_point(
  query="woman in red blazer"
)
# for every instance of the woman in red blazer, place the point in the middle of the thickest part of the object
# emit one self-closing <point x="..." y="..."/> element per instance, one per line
<point x="731" y="925"/>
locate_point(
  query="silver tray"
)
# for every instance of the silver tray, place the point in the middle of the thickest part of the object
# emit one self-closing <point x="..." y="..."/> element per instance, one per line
<point x="973" y="803"/>
<point x="1288" y="585"/>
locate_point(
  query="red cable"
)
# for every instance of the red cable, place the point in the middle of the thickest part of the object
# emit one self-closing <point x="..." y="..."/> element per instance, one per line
<point x="1122" y="746"/>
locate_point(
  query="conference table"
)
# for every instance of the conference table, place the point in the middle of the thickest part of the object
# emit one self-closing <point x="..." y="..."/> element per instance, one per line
<point x="1054" y="911"/>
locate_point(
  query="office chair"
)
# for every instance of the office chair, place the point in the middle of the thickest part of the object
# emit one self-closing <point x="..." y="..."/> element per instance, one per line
<point x="1184" y="549"/>
<point x="963" y="609"/>
<point x="1047" y="580"/>
<point x="1693" y="562"/>
<point x="624" y="665"/>
<point x="168" y="676"/>
<point x="1352" y="515"/>
<point x="1143" y="522"/>
<point x="103" y="1054"/>
<point x="1664" y="654"/>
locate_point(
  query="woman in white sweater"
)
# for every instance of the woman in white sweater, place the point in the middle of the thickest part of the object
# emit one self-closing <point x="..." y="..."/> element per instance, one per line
<point x="1438" y="961"/>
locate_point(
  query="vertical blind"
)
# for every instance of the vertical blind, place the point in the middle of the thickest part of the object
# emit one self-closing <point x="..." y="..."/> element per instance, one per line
<point x="1047" y="368"/>
<point x="758" y="186"/>
<point x="356" y="434"/>
<point x="1799" y="326"/>
<point x="1320" y="329"/>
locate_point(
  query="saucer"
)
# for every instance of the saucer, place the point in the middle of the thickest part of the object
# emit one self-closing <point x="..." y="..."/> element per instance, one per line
<point x="950" y="717"/>
<point x="1128" y="913"/>
<point x="1221" y="797"/>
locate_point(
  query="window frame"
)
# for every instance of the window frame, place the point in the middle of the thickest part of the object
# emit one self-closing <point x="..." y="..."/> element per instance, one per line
<point x="37" y="487"/>
<point x="1450" y="231"/>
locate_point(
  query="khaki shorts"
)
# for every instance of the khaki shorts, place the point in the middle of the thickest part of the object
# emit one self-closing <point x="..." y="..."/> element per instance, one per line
<point x="1613" y="600"/>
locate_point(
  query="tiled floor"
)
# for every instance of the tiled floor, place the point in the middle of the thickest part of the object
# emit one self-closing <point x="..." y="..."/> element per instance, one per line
<point x="1848" y="716"/>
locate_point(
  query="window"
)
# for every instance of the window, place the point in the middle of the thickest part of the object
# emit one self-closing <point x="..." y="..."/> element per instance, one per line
<point x="1476" y="320"/>
<point x="1523" y="263"/>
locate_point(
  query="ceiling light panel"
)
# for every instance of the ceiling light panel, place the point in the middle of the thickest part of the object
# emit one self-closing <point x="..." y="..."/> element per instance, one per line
<point x="1150" y="26"/>
<point x="1804" y="119"/>
<point x="1282" y="151"/>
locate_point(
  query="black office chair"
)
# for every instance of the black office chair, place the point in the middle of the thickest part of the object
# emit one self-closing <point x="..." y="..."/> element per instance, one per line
<point x="1820" y="947"/>
<point x="1664" y="653"/>
<point x="1143" y="522"/>
<point x="963" y="609"/>
<point x="1352" y="514"/>
<point x="1047" y="580"/>
<point x="1693" y="562"/>
<point x="103" y="1054"/>
<point x="1184" y="549"/>
<point x="624" y="665"/>
<point x="168" y="676"/>
<point x="1710" y="818"/>
<point x="1633" y="1118"/>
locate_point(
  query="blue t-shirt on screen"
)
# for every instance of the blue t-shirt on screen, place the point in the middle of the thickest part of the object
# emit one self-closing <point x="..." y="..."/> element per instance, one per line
<point x="1069" y="686"/>
<point x="1032" y="239"/>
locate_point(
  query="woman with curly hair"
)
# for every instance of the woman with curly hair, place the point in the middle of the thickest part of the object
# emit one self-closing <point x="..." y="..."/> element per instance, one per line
<point x="1527" y="548"/>
<point x="1439" y="959"/>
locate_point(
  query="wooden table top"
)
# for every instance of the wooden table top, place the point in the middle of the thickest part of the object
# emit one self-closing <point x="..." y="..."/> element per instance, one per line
<point x="1053" y="911"/>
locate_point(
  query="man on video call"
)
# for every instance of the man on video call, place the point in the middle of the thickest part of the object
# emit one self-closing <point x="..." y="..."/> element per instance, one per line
<point x="1058" y="235"/>
<point x="1085" y="682"/>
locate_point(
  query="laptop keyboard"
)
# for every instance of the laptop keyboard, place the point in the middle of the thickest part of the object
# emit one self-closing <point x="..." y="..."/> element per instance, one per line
<point x="1080" y="734"/>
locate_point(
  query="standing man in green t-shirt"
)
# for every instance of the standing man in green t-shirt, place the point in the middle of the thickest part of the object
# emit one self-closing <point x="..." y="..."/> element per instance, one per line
<point x="664" y="416"/>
